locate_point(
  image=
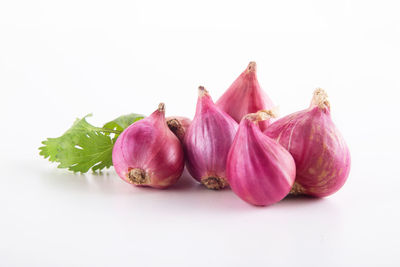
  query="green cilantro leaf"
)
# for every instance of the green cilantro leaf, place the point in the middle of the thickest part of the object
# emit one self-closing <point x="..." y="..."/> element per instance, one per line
<point x="84" y="146"/>
<point x="122" y="122"/>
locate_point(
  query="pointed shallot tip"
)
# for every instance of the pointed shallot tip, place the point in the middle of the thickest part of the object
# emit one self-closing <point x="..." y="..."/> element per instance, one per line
<point x="174" y="124"/>
<point x="320" y="98"/>
<point x="202" y="91"/>
<point x="176" y="127"/>
<point x="260" y="115"/>
<point x="266" y="114"/>
<point x="320" y="91"/>
<point x="252" y="67"/>
<point x="251" y="117"/>
<point x="161" y="107"/>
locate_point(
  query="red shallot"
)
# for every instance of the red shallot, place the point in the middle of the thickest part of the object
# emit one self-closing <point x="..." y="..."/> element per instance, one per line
<point x="319" y="150"/>
<point x="147" y="153"/>
<point x="260" y="171"/>
<point x="245" y="96"/>
<point x="207" y="142"/>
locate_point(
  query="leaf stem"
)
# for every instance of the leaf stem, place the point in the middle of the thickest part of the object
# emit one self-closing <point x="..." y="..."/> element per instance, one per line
<point x="108" y="130"/>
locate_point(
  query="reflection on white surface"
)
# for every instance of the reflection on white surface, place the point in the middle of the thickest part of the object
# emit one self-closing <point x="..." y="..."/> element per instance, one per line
<point x="99" y="220"/>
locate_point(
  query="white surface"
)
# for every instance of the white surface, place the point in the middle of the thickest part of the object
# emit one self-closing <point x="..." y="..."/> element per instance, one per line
<point x="63" y="59"/>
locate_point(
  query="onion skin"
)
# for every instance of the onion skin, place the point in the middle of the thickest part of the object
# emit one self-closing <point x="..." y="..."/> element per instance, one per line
<point x="319" y="150"/>
<point x="260" y="171"/>
<point x="178" y="125"/>
<point x="245" y="96"/>
<point x="207" y="142"/>
<point x="147" y="153"/>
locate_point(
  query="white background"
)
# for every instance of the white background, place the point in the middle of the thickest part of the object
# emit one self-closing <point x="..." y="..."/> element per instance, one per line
<point x="63" y="59"/>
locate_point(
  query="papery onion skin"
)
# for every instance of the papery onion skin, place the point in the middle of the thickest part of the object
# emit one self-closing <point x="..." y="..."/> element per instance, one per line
<point x="178" y="125"/>
<point x="245" y="96"/>
<point x="260" y="171"/>
<point x="207" y="142"/>
<point x="147" y="153"/>
<point x="319" y="150"/>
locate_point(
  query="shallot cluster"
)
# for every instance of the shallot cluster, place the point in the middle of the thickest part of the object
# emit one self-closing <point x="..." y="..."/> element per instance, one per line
<point x="235" y="143"/>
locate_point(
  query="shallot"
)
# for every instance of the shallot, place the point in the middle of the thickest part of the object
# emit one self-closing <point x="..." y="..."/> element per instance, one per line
<point x="245" y="96"/>
<point x="259" y="170"/>
<point x="319" y="150"/>
<point x="207" y="142"/>
<point x="147" y="153"/>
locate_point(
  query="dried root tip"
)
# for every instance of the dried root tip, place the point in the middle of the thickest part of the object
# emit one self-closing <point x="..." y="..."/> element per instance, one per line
<point x="202" y="91"/>
<point x="252" y="67"/>
<point x="161" y="107"/>
<point x="297" y="189"/>
<point x="176" y="127"/>
<point x="320" y="99"/>
<point x="214" y="183"/>
<point x="138" y="177"/>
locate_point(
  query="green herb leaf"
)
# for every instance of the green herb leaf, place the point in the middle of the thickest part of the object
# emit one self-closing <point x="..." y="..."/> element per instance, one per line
<point x="122" y="122"/>
<point x="84" y="146"/>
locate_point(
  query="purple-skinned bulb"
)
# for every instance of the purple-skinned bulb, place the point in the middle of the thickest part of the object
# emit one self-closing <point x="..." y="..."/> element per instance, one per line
<point x="207" y="142"/>
<point x="147" y="153"/>
<point x="259" y="170"/>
